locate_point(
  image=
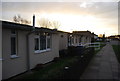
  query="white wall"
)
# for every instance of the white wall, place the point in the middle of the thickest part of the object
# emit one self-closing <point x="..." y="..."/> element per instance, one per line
<point x="43" y="57"/>
<point x="63" y="41"/>
<point x="13" y="66"/>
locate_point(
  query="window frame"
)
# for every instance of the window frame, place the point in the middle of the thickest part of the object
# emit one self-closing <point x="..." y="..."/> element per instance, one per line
<point x="14" y="35"/>
<point x="44" y="34"/>
<point x="76" y="41"/>
<point x="37" y="37"/>
<point x="47" y="41"/>
<point x="80" y="39"/>
<point x="46" y="49"/>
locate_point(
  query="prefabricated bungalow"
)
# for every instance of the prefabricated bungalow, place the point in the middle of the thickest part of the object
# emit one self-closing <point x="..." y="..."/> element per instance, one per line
<point x="23" y="47"/>
<point x="77" y="38"/>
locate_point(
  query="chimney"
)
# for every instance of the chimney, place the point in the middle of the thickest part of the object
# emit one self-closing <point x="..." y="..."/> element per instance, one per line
<point x="33" y="20"/>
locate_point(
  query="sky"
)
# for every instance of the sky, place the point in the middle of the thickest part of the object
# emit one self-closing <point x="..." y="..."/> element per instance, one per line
<point x="97" y="17"/>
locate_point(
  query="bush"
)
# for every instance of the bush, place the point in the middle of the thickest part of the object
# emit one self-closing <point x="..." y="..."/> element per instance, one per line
<point x="63" y="53"/>
<point x="75" y="50"/>
<point x="56" y="59"/>
<point x="38" y="66"/>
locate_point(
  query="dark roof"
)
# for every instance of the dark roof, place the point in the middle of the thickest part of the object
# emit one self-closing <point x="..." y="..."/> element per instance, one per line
<point x="12" y="25"/>
<point x="87" y="33"/>
<point x="62" y="31"/>
<point x="81" y="31"/>
<point x="42" y="29"/>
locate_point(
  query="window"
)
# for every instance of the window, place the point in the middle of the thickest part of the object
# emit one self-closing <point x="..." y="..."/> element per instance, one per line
<point x="79" y="39"/>
<point x="62" y="36"/>
<point x="70" y="40"/>
<point x="76" y="39"/>
<point x="48" y="41"/>
<point x="42" y="42"/>
<point x="36" y="43"/>
<point x="13" y="42"/>
<point x="86" y="39"/>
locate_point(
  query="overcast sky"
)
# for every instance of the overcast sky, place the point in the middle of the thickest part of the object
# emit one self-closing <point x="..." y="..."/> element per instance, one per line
<point x="98" y="17"/>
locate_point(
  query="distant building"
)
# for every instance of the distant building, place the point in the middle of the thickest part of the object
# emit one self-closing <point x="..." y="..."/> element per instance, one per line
<point x="114" y="37"/>
<point x="80" y="38"/>
<point x="94" y="37"/>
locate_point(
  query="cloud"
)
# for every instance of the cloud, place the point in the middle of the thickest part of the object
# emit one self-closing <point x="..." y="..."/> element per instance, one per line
<point x="86" y="4"/>
<point x="105" y="12"/>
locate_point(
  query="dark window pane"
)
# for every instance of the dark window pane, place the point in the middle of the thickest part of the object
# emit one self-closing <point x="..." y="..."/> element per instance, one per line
<point x="36" y="44"/>
<point x="72" y="40"/>
<point x="61" y="35"/>
<point x="48" y="42"/>
<point x="36" y="33"/>
<point x="76" y="39"/>
<point x="13" y="45"/>
<point x="13" y="32"/>
<point x="80" y="40"/>
<point x="42" y="42"/>
<point x="48" y="34"/>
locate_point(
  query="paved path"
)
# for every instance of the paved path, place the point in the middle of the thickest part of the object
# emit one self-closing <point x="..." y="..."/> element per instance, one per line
<point x="104" y="65"/>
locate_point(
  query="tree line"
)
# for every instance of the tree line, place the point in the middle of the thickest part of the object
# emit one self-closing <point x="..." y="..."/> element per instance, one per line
<point x="43" y="22"/>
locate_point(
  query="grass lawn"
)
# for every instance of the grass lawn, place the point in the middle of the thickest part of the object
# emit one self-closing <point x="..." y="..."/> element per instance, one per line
<point x="51" y="71"/>
<point x="117" y="51"/>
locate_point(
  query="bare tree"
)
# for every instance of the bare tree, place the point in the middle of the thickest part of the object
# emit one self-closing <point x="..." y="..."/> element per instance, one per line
<point x="45" y="22"/>
<point x="55" y="24"/>
<point x="19" y="19"/>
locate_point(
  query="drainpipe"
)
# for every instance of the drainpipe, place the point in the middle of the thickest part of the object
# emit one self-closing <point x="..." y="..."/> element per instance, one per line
<point x="27" y="44"/>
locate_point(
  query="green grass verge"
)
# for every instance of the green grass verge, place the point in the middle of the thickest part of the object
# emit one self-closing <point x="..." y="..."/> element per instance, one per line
<point x="116" y="49"/>
<point x="51" y="71"/>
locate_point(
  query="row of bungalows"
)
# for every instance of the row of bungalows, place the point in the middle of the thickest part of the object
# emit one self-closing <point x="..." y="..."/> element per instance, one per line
<point x="24" y="46"/>
<point x="82" y="38"/>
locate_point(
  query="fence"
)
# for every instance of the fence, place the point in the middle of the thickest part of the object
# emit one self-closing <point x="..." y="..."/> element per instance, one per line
<point x="96" y="45"/>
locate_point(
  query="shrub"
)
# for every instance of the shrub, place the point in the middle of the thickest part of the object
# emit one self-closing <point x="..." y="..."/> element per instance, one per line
<point x="63" y="53"/>
<point x="38" y="66"/>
